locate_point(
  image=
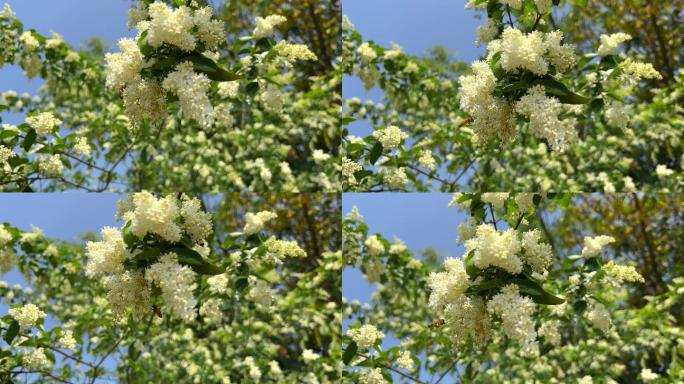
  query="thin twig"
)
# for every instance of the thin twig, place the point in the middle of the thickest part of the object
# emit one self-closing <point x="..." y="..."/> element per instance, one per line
<point x="491" y="209"/>
<point x="402" y="374"/>
<point x="510" y="18"/>
<point x="536" y="22"/>
<point x="76" y="359"/>
<point x="520" y="219"/>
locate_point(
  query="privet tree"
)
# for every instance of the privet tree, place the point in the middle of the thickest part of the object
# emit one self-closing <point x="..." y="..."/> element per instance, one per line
<point x="186" y="102"/>
<point x="526" y="302"/>
<point x="534" y="113"/>
<point x="233" y="294"/>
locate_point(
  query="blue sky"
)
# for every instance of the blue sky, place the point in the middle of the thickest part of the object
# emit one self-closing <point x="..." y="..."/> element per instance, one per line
<point x="421" y="220"/>
<point x="61" y="216"/>
<point x="416" y="26"/>
<point x="76" y="20"/>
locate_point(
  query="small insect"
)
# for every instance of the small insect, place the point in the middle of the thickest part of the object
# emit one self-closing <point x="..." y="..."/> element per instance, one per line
<point x="437" y="323"/>
<point x="156" y="310"/>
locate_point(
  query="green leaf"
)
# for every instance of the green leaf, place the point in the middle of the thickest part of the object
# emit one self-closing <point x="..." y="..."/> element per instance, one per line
<point x="579" y="307"/>
<point x="355" y="147"/>
<point x="252" y="88"/>
<point x="211" y="69"/>
<point x="487" y="285"/>
<point x="471" y="269"/>
<point x="147" y="254"/>
<point x="346" y="121"/>
<point x="241" y="283"/>
<point x="510" y="88"/>
<point x="5" y="133"/>
<point x="593" y="264"/>
<point x="558" y="90"/>
<point x="536" y="292"/>
<point x="195" y="261"/>
<point x="128" y="238"/>
<point x="29" y="140"/>
<point x="350" y="352"/>
<point x="375" y="153"/>
<point x="12" y="332"/>
<point x="609" y="62"/>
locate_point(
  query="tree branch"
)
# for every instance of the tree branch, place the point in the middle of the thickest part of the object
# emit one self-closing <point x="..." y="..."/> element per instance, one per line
<point x="402" y="374"/>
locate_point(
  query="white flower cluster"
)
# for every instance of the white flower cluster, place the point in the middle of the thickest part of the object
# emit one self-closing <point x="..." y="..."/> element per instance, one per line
<point x="365" y="336"/>
<point x="494" y="116"/>
<point x="31" y="237"/>
<point x="487" y="32"/>
<point x="255" y="222"/>
<point x="390" y="137"/>
<point x="211" y="311"/>
<point x="349" y="168"/>
<point x="67" y="340"/>
<point x="374" y="246"/>
<point x="549" y="331"/>
<point x="647" y="375"/>
<point x="277" y="250"/>
<point x="616" y="114"/>
<point x="593" y="245"/>
<point x="27" y="316"/>
<point x="160" y="24"/>
<point x="372" y="376"/>
<point x="260" y="292"/>
<point x="611" y="43"/>
<point x="466" y="317"/>
<point x="191" y="89"/>
<point x="494" y="248"/>
<point x="496" y="199"/>
<point x="501" y="249"/>
<point x="538" y="255"/>
<point x="177" y="283"/>
<point x="633" y="71"/>
<point x="5" y="236"/>
<point x="218" y="284"/>
<point x="405" y="361"/>
<point x="621" y="273"/>
<point x="516" y="315"/>
<point x="44" y="123"/>
<point x="168" y="218"/>
<point x="524" y="201"/>
<point x="543" y="112"/>
<point x="108" y="255"/>
<point x="469" y="317"/>
<point x="534" y="51"/>
<point x="36" y="359"/>
<point x="128" y="291"/>
<point x="599" y="317"/>
<point x="5" y="155"/>
<point x="161" y="216"/>
<point x="266" y="25"/>
<point x="82" y="147"/>
<point x="176" y="27"/>
<point x="394" y="178"/>
<point x="51" y="166"/>
<point x="448" y="287"/>
<point x="294" y="52"/>
<point x="8" y="259"/>
<point x="366" y="53"/>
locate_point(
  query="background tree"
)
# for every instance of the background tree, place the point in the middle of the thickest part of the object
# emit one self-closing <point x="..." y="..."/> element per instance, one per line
<point x="294" y="339"/>
<point x="656" y="28"/>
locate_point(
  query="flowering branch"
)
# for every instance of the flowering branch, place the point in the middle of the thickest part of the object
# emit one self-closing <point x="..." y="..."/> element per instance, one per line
<point x="389" y="367"/>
